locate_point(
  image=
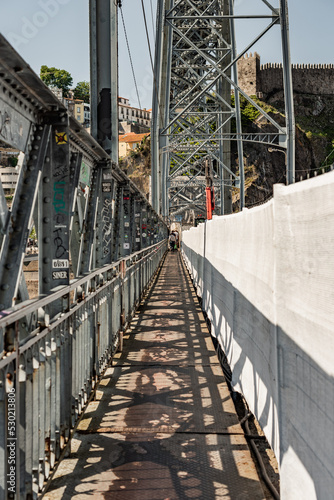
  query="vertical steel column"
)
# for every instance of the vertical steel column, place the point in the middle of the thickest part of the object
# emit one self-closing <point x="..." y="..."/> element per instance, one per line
<point x="144" y="227"/>
<point x="224" y="88"/>
<point x="54" y="209"/>
<point x="106" y="216"/>
<point x="104" y="74"/>
<point x="87" y="247"/>
<point x="237" y="110"/>
<point x="117" y="218"/>
<point x="155" y="168"/>
<point x="164" y="141"/>
<point x="137" y="219"/>
<point x="288" y="92"/>
<point x="76" y="208"/>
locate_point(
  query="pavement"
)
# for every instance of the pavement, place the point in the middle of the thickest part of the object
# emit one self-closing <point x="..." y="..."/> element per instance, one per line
<point x="163" y="425"/>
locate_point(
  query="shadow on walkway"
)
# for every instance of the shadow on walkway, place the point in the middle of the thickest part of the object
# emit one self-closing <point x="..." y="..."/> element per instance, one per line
<point x="163" y="425"/>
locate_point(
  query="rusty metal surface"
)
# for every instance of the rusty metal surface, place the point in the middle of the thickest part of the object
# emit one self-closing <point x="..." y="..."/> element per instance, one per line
<point x="163" y="425"/>
<point x="164" y="398"/>
<point x="157" y="466"/>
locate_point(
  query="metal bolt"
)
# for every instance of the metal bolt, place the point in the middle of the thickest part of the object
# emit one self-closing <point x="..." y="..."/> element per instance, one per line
<point x="46" y="240"/>
<point x="46" y="180"/>
<point x="46" y="220"/>
<point x="46" y="280"/>
<point x="47" y="199"/>
<point x="4" y="287"/>
<point x="46" y="260"/>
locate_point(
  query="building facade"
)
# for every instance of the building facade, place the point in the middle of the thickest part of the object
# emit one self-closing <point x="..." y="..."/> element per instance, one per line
<point x="79" y="109"/>
<point x="127" y="113"/>
<point x="129" y="142"/>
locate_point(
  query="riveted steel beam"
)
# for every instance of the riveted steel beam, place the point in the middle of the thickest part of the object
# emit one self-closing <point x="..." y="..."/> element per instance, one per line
<point x="88" y="238"/>
<point x="76" y="208"/>
<point x="17" y="231"/>
<point x="55" y="208"/>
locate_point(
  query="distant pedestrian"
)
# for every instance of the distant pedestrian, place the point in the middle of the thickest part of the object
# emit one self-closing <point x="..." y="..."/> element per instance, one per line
<point x="172" y="241"/>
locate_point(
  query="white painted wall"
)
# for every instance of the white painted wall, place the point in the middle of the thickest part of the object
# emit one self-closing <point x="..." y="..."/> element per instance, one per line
<point x="266" y="277"/>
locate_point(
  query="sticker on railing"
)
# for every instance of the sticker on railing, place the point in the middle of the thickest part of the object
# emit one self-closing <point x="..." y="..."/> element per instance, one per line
<point x="60" y="263"/>
<point x="126" y="246"/>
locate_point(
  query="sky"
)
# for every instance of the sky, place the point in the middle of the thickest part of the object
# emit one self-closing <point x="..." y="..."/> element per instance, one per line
<point x="56" y="33"/>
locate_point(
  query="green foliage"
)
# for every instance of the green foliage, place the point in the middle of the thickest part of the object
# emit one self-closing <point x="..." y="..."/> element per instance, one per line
<point x="13" y="160"/>
<point x="54" y="77"/>
<point x="33" y="234"/>
<point x="82" y="91"/>
<point x="248" y="112"/>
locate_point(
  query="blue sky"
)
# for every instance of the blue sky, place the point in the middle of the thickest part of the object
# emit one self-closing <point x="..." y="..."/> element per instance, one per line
<point x="55" y="33"/>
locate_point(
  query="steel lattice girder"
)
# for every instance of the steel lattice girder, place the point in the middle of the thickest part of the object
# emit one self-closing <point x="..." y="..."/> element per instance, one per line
<point x="67" y="188"/>
<point x="195" y="71"/>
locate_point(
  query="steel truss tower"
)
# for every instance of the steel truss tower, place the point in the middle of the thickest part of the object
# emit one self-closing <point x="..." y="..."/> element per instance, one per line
<point x="193" y="116"/>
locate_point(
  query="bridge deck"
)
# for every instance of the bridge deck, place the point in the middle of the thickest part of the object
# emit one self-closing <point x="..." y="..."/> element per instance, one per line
<point x="163" y="425"/>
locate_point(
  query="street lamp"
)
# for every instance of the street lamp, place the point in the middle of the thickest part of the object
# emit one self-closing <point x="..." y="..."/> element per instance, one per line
<point x="273" y="150"/>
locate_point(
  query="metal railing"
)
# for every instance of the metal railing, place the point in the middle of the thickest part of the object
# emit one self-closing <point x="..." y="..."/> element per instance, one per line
<point x="48" y="375"/>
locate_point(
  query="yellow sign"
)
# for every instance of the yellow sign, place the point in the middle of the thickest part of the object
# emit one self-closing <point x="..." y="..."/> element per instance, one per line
<point x="61" y="138"/>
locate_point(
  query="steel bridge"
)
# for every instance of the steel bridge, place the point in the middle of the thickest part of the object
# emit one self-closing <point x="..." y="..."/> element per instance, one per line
<point x="110" y="374"/>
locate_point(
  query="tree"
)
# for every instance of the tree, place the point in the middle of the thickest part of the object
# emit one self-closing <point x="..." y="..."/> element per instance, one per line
<point x="82" y="91"/>
<point x="54" y="77"/>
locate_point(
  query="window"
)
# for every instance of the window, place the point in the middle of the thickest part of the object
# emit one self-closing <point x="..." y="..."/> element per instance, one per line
<point x="78" y="109"/>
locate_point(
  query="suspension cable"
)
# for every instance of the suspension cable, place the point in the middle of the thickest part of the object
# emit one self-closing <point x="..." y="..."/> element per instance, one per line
<point x="127" y="44"/>
<point x="152" y="20"/>
<point x="147" y="35"/>
<point x="152" y="65"/>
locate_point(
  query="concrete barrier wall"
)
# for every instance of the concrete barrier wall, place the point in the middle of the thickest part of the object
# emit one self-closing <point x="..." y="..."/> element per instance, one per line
<point x="266" y="277"/>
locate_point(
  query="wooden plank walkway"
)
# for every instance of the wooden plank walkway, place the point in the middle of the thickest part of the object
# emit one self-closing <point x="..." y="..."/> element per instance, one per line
<point x="163" y="425"/>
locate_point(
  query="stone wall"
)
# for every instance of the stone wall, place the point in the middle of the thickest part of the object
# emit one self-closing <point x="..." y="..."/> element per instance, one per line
<point x="249" y="74"/>
<point x="257" y="79"/>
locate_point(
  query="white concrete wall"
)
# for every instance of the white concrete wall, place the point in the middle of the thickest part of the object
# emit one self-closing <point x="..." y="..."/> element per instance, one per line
<point x="266" y="277"/>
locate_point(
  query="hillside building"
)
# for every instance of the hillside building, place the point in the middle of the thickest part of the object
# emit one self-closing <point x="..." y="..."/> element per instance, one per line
<point x="129" y="114"/>
<point x="79" y="109"/>
<point x="129" y="142"/>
